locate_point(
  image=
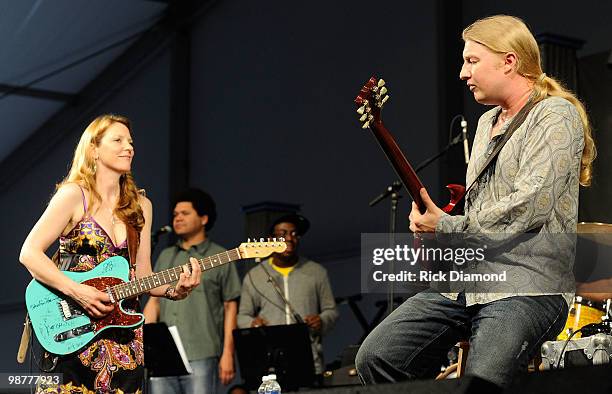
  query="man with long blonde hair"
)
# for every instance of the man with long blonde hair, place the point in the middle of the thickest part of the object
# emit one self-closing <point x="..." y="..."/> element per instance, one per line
<point x="531" y="186"/>
<point x="93" y="212"/>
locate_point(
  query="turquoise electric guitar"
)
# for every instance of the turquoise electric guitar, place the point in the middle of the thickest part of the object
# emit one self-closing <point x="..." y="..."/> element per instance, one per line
<point x="62" y="327"/>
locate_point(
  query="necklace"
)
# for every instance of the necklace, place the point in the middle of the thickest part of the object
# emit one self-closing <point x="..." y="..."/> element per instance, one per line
<point x="112" y="216"/>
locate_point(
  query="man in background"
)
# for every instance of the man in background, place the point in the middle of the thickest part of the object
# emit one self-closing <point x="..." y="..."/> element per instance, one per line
<point x="303" y="282"/>
<point x="206" y="319"/>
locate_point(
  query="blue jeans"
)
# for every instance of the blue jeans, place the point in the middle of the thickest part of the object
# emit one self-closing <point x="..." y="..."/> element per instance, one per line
<point x="413" y="341"/>
<point x="203" y="380"/>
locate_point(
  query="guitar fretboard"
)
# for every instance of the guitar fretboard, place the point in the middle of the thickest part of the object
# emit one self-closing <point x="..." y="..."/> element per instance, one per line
<point x="143" y="285"/>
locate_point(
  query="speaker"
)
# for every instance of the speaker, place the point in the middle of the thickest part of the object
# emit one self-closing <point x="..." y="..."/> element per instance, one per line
<point x="587" y="380"/>
<point x="343" y="376"/>
<point x="467" y="384"/>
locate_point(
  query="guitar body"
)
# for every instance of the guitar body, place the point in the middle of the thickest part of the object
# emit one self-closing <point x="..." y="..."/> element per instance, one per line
<point x="457" y="193"/>
<point x="61" y="326"/>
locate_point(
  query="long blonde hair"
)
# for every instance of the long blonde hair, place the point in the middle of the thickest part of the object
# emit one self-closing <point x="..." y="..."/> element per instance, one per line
<point x="503" y="34"/>
<point x="83" y="172"/>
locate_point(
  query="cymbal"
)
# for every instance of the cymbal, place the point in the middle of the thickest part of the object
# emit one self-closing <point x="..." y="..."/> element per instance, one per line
<point x="600" y="233"/>
<point x="594" y="227"/>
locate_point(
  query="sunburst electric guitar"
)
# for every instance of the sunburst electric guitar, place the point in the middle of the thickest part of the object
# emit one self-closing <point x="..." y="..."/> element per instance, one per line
<point x="62" y="327"/>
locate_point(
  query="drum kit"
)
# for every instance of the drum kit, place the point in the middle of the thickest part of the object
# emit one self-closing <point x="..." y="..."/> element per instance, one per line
<point x="590" y="316"/>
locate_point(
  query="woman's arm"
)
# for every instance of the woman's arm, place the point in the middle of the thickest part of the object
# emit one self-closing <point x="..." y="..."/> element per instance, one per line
<point x="60" y="212"/>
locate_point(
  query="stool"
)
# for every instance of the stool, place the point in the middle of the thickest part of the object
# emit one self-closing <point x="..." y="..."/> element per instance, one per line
<point x="535" y="364"/>
<point x="459" y="366"/>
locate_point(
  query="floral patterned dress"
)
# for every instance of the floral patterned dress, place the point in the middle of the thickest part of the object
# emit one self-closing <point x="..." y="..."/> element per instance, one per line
<point x="114" y="362"/>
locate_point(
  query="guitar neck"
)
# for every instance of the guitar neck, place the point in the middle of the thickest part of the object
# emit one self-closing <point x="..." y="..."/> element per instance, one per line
<point x="401" y="165"/>
<point x="171" y="275"/>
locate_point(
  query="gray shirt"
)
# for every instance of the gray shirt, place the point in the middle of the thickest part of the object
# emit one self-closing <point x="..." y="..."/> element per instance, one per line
<point x="199" y="317"/>
<point x="533" y="187"/>
<point x="306" y="287"/>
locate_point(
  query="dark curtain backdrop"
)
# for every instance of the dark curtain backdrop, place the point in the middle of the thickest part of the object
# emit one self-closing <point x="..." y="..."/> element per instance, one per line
<point x="595" y="89"/>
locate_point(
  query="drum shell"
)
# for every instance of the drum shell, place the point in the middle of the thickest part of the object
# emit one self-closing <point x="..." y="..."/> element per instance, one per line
<point x="582" y="312"/>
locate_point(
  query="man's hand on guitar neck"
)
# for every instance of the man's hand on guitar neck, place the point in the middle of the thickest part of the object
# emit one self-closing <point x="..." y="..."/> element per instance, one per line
<point x="427" y="222"/>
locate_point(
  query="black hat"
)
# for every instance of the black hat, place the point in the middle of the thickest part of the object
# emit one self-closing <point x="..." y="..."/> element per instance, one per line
<point x="301" y="223"/>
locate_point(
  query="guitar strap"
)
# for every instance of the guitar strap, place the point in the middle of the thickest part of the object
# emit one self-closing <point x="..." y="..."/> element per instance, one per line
<point x="517" y="121"/>
<point x="25" y="340"/>
<point x="133" y="241"/>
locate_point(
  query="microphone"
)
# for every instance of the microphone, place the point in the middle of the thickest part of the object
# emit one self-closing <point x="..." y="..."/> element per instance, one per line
<point x="163" y="230"/>
<point x="155" y="235"/>
<point x="466" y="149"/>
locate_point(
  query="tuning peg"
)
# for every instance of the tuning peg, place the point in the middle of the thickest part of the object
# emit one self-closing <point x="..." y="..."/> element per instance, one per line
<point x="383" y="91"/>
<point x="381" y="83"/>
<point x="361" y="110"/>
<point x="366" y="125"/>
<point x="384" y="100"/>
<point x="248" y="240"/>
<point x="370" y="118"/>
<point x="363" y="117"/>
<point x="261" y="240"/>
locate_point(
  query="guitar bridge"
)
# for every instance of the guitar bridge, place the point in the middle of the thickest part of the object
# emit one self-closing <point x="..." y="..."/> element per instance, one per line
<point x="75" y="332"/>
<point x="69" y="310"/>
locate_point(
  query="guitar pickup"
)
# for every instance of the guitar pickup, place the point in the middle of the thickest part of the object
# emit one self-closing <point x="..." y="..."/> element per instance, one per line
<point x="75" y="332"/>
<point x="69" y="310"/>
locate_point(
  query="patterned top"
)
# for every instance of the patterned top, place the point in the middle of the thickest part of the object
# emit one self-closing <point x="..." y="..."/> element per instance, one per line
<point x="531" y="188"/>
<point x="87" y="245"/>
<point x="114" y="362"/>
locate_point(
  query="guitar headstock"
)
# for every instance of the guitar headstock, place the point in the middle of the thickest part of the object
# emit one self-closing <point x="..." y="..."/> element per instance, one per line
<point x="261" y="248"/>
<point x="371" y="99"/>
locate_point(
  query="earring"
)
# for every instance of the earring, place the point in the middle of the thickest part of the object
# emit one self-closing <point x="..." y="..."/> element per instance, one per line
<point x="95" y="166"/>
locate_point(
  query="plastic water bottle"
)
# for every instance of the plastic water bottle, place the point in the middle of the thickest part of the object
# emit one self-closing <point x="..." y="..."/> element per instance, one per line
<point x="273" y="387"/>
<point x="263" y="385"/>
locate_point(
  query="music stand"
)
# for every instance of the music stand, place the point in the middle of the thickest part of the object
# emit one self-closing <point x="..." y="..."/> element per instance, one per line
<point x="161" y="352"/>
<point x="286" y="348"/>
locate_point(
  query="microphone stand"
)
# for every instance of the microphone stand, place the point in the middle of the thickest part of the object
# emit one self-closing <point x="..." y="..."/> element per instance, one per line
<point x="393" y="191"/>
<point x="455" y="141"/>
<point x="271" y="280"/>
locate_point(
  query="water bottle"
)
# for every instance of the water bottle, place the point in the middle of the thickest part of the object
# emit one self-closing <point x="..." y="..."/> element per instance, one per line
<point x="273" y="387"/>
<point x="263" y="385"/>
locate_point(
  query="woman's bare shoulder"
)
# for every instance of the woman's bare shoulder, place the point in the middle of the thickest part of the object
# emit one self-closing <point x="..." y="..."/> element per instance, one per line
<point x="69" y="192"/>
